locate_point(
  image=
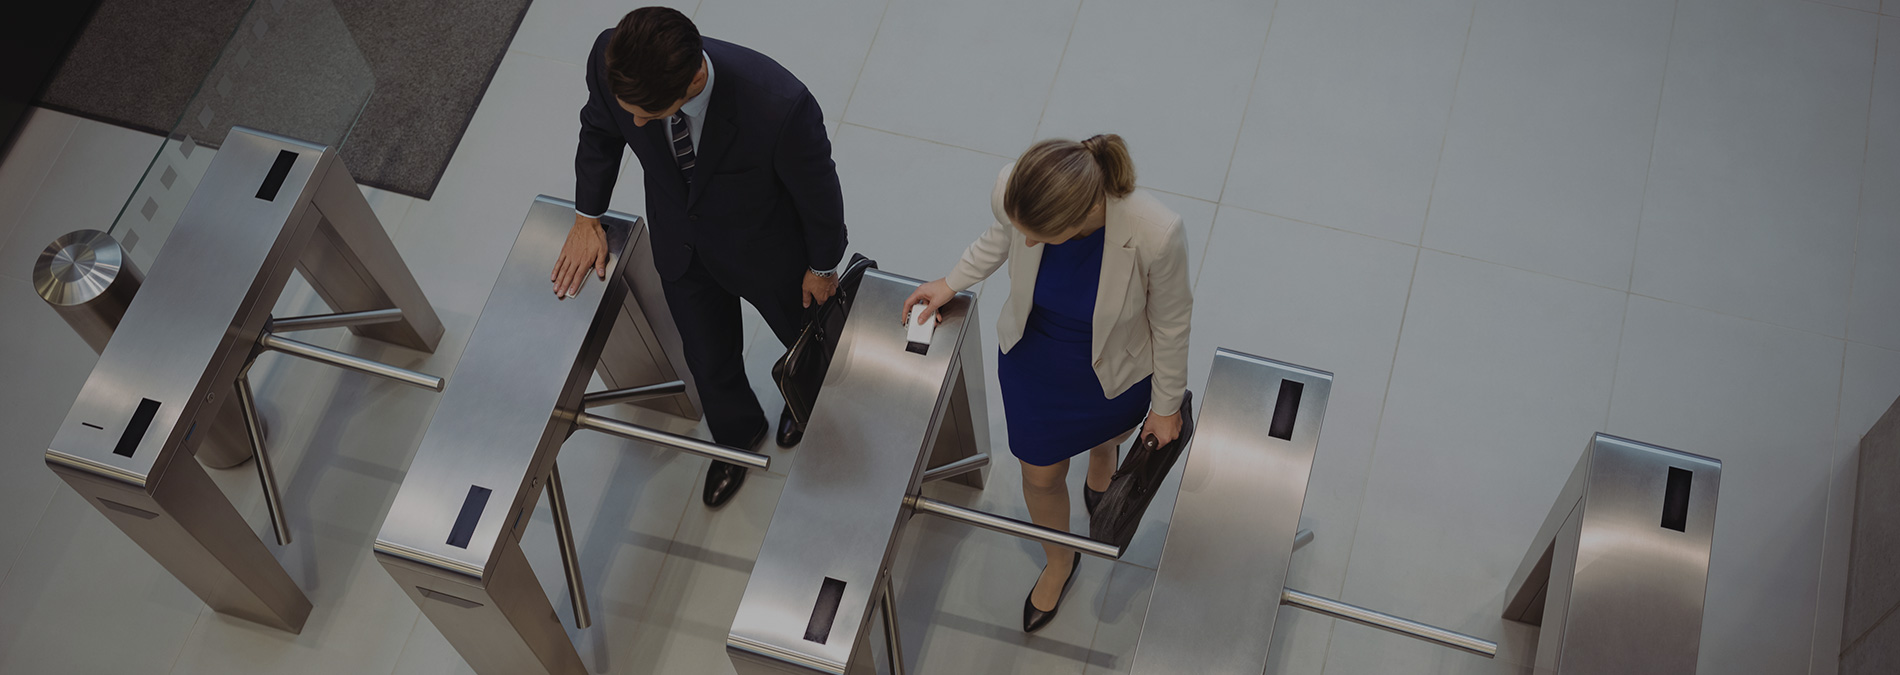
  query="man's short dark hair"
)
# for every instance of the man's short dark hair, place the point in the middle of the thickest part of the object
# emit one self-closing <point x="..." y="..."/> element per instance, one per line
<point x="653" y="57"/>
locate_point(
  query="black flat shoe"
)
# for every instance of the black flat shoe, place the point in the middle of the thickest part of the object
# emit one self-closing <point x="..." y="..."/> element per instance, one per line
<point x="1034" y="619"/>
<point x="790" y="432"/>
<point x="1090" y="498"/>
<point x="723" y="479"/>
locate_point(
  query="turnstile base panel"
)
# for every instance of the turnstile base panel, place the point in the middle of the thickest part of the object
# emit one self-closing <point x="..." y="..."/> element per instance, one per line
<point x="507" y="627"/>
<point x="188" y="526"/>
<point x="884" y="414"/>
<point x="1217" y="590"/>
<point x="1618" y="574"/>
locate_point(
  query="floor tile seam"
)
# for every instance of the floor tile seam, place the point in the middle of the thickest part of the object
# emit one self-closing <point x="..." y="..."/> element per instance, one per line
<point x="1616" y="362"/>
<point x="1655" y="130"/>
<point x="180" y="654"/>
<point x="1451" y="112"/>
<point x="1750" y="319"/>
<point x="1892" y="350"/>
<point x="1378" y="426"/>
<point x="1860" y="195"/>
<point x="38" y="518"/>
<point x="844" y="123"/>
<point x="12" y="228"/>
<point x="1321" y="225"/>
<point x="1050" y="93"/>
<point x="1874" y="12"/>
<point x="1252" y="84"/>
<point x="1429" y="248"/>
<point x="1829" y="515"/>
<point x="865" y="62"/>
<point x="406" y="641"/>
<point x="1194" y="284"/>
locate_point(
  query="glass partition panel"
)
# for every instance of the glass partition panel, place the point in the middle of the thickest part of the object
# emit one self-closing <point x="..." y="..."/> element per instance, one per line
<point x="289" y="68"/>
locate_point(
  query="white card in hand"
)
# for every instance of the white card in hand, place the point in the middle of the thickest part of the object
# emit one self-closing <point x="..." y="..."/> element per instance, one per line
<point x="919" y="331"/>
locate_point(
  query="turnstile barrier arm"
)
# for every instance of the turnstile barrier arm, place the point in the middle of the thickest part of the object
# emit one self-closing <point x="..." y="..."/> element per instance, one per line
<point x="1389" y="623"/>
<point x="253" y="431"/>
<point x="675" y="441"/>
<point x="596" y="399"/>
<point x="359" y="364"/>
<point x="957" y="468"/>
<point x="1014" y="527"/>
<point x="570" y="557"/>
<point x="368" y="317"/>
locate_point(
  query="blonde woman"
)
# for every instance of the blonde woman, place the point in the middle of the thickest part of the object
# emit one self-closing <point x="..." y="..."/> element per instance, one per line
<point x="1094" y="333"/>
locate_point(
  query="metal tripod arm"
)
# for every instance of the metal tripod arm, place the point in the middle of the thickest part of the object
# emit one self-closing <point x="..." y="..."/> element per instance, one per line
<point x="636" y="432"/>
<point x="1014" y="527"/>
<point x="1387" y="622"/>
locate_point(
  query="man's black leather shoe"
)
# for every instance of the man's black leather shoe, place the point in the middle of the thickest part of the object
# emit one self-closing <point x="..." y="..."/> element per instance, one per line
<point x="723" y="479"/>
<point x="790" y="432"/>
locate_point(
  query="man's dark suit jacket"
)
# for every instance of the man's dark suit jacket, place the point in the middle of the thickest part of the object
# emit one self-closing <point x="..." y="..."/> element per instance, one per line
<point x="765" y="202"/>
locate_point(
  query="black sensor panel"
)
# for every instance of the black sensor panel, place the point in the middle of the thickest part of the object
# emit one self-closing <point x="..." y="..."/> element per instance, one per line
<point x="471" y="514"/>
<point x="274" y="180"/>
<point x="135" y="429"/>
<point x="1675" y="515"/>
<point x="825" y="611"/>
<point x="1286" y="410"/>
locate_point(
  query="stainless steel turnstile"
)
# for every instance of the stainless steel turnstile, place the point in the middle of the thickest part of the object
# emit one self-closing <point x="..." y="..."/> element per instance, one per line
<point x="267" y="205"/>
<point x="453" y="535"/>
<point x="888" y="421"/>
<point x="1617" y="574"/>
<point x="1236" y="520"/>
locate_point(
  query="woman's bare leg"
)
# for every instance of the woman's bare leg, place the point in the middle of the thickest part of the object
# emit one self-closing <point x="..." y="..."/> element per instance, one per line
<point x="1102" y="461"/>
<point x="1046" y="491"/>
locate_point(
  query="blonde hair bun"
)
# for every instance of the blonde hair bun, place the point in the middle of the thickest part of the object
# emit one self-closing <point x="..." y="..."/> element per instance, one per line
<point x="1056" y="182"/>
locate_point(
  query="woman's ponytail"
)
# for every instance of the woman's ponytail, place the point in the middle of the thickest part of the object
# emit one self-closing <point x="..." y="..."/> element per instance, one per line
<point x="1057" y="182"/>
<point x="1118" y="169"/>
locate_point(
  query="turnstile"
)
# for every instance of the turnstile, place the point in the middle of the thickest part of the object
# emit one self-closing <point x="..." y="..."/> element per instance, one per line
<point x="888" y="421"/>
<point x="452" y="539"/>
<point x="1618" y="572"/>
<point x="1224" y="565"/>
<point x="267" y="205"/>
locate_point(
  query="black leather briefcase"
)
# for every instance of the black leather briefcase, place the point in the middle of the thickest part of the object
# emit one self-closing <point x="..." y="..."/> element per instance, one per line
<point x="1136" y="481"/>
<point x="800" y="373"/>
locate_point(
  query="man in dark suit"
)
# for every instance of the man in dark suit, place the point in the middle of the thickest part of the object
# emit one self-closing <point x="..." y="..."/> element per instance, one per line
<point x="742" y="201"/>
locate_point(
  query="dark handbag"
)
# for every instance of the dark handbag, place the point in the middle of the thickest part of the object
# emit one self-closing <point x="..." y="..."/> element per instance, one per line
<point x="800" y="373"/>
<point x="1137" y="480"/>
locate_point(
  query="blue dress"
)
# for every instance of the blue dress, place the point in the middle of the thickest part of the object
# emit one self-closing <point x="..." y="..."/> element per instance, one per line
<point x="1052" y="401"/>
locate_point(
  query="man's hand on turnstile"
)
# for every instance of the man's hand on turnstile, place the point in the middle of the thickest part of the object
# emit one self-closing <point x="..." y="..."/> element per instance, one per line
<point x="933" y="295"/>
<point x="1165" y="428"/>
<point x="586" y="248"/>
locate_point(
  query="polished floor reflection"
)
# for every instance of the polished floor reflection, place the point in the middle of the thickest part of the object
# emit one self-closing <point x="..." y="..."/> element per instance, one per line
<point x="1503" y="224"/>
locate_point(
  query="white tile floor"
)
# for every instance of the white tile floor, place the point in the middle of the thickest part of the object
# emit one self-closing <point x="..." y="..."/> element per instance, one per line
<point x="1504" y="224"/>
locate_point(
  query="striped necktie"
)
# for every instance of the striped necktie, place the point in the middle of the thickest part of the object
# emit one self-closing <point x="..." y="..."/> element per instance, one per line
<point x="682" y="126"/>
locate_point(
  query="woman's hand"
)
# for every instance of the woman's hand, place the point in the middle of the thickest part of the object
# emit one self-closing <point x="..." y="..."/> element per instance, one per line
<point x="933" y="295"/>
<point x="1165" y="428"/>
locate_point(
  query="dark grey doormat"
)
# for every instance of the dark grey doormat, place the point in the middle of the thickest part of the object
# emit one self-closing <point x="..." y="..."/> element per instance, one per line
<point x="138" y="63"/>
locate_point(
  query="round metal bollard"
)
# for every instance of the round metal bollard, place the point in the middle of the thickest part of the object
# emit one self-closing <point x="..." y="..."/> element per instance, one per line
<point x="87" y="279"/>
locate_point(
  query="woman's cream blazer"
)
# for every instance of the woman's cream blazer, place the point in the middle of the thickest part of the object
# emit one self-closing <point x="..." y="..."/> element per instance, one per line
<point x="1141" y="308"/>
